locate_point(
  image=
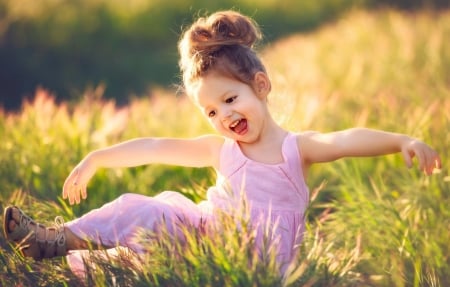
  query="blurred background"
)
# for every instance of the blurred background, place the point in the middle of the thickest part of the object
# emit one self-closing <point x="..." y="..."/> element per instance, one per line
<point x="98" y="72"/>
<point x="129" y="47"/>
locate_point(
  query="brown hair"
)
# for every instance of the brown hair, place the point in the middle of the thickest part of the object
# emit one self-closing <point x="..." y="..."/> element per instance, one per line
<point x="222" y="42"/>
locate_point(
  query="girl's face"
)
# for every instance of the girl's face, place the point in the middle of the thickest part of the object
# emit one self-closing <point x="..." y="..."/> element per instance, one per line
<point x="232" y="107"/>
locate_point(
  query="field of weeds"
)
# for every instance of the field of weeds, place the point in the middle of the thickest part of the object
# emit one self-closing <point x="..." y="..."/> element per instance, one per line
<point x="371" y="222"/>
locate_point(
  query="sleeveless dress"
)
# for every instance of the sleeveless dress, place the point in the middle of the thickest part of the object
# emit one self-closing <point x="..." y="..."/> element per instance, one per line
<point x="275" y="195"/>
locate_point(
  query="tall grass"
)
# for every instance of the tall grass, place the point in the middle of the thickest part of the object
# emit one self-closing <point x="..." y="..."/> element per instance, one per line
<point x="388" y="71"/>
<point x="371" y="222"/>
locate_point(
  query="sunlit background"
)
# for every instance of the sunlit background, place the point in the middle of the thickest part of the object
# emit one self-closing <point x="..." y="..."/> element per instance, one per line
<point x="80" y="75"/>
<point x="130" y="46"/>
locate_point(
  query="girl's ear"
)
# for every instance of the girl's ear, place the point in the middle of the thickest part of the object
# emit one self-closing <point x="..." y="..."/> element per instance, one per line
<point x="261" y="84"/>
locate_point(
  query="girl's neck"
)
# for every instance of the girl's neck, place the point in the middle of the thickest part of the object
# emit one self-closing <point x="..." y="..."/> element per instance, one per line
<point x="267" y="149"/>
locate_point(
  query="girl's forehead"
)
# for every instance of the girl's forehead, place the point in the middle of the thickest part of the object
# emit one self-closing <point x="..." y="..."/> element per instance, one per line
<point x="210" y="87"/>
<point x="196" y="90"/>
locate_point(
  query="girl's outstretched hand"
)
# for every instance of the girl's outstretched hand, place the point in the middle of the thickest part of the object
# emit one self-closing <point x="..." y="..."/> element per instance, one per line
<point x="74" y="188"/>
<point x="427" y="157"/>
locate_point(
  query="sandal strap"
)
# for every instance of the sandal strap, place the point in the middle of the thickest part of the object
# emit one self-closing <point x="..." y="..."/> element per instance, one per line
<point x="52" y="244"/>
<point x="58" y="230"/>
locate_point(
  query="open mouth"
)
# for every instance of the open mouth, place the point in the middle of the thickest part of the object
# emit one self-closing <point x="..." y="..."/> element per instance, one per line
<point x="239" y="126"/>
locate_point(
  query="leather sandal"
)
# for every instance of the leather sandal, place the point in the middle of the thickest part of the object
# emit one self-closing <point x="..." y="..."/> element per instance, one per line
<point x="33" y="239"/>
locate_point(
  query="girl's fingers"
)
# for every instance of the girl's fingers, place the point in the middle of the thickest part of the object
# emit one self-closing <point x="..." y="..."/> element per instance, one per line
<point x="435" y="162"/>
<point x="77" y="196"/>
<point x="72" y="196"/>
<point x="76" y="193"/>
<point x="84" y="191"/>
<point x="438" y="162"/>
<point x="407" y="157"/>
<point x="72" y="187"/>
<point x="71" y="192"/>
<point x="430" y="161"/>
<point x="421" y="159"/>
<point x="427" y="158"/>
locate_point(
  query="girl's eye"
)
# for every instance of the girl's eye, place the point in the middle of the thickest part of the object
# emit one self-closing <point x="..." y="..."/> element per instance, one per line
<point x="230" y="100"/>
<point x="211" y="114"/>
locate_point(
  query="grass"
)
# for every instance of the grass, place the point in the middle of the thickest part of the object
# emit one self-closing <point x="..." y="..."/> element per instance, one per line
<point x="371" y="222"/>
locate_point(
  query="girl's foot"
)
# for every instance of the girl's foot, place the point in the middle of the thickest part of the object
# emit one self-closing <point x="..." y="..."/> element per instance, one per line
<point x="33" y="239"/>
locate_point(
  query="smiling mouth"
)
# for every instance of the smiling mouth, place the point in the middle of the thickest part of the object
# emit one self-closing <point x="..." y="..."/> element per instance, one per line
<point x="239" y="126"/>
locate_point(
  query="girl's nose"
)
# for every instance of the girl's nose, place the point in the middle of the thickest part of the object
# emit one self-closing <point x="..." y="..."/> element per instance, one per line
<point x="226" y="114"/>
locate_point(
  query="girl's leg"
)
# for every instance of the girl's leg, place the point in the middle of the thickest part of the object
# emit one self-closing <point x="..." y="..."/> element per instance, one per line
<point x="118" y="222"/>
<point x="114" y="224"/>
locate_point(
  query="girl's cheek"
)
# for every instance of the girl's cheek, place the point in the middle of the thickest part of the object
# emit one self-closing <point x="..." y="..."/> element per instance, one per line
<point x="217" y="126"/>
<point x="213" y="124"/>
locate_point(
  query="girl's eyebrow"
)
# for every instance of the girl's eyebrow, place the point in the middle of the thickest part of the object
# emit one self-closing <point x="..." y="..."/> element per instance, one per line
<point x="227" y="94"/>
<point x="223" y="96"/>
<point x="206" y="109"/>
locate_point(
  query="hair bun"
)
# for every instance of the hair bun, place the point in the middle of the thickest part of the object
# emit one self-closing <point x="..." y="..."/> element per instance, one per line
<point x="222" y="41"/>
<point x="223" y="29"/>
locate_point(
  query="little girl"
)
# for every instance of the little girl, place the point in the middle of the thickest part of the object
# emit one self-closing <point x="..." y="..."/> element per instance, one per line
<point x="256" y="160"/>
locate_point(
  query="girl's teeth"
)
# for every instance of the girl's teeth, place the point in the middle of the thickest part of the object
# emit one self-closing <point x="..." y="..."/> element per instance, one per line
<point x="234" y="124"/>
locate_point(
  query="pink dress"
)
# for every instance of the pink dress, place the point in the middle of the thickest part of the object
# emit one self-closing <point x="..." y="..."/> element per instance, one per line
<point x="276" y="194"/>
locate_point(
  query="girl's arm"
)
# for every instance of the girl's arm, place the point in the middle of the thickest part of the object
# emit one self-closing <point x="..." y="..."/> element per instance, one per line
<point x="324" y="147"/>
<point x="196" y="152"/>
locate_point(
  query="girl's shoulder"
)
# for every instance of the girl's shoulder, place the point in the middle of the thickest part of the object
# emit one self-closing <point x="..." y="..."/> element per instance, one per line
<point x="214" y="144"/>
<point x="305" y="137"/>
<point x="306" y="141"/>
<point x="308" y="135"/>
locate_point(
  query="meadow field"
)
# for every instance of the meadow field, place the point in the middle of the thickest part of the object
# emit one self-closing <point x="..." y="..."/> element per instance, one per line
<point x="371" y="221"/>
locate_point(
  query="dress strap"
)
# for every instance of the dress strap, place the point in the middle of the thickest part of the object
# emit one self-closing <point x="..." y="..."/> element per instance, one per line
<point x="231" y="158"/>
<point x="293" y="157"/>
